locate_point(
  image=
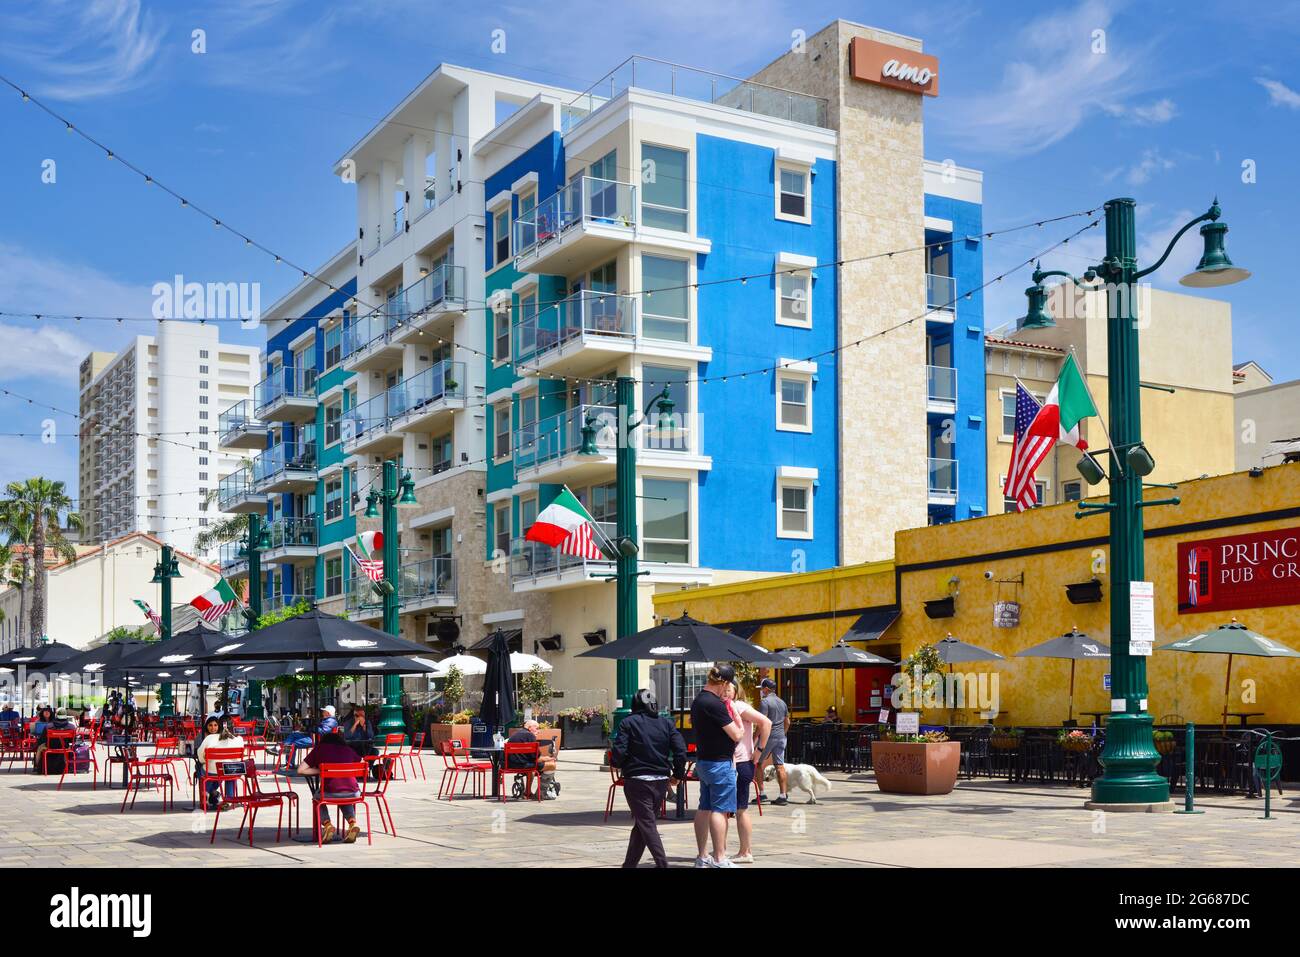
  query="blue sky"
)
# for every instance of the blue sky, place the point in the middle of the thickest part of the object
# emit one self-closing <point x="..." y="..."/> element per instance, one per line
<point x="1183" y="95"/>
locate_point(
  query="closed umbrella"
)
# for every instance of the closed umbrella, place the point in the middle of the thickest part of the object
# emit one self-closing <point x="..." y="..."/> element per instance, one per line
<point x="498" y="709"/>
<point x="1075" y="646"/>
<point x="1232" y="639"/>
<point x="840" y="656"/>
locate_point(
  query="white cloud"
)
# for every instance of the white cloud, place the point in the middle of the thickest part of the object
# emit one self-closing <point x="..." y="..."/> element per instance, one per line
<point x="80" y="50"/>
<point x="1279" y="94"/>
<point x="1161" y="111"/>
<point x="41" y="351"/>
<point x="1152" y="162"/>
<point x="22" y="457"/>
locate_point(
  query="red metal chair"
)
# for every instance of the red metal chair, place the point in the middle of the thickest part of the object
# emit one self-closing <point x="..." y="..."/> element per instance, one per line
<point x="63" y="743"/>
<point x="471" y="766"/>
<point x="142" y="773"/>
<point x="413" y="757"/>
<point x="254" y="799"/>
<point x="524" y="749"/>
<point x="257" y="775"/>
<point x="383" y="765"/>
<point x="393" y="747"/>
<point x="340" y="772"/>
<point x="167" y="754"/>
<point x="220" y="758"/>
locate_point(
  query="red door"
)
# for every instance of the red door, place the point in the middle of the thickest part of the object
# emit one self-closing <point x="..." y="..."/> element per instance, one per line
<point x="869" y="692"/>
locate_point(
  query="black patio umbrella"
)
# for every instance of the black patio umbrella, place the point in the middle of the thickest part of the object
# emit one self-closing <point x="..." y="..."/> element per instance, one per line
<point x="955" y="651"/>
<point x="682" y="639"/>
<point x="840" y="656"/>
<point x="104" y="662"/>
<point x="498" y="709"/>
<point x="784" y="658"/>
<point x="38" y="658"/>
<point x="182" y="658"/>
<point x="1074" y="645"/>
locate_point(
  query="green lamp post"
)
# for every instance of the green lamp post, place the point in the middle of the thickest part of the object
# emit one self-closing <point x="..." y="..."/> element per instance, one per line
<point x="392" y="496"/>
<point x="257" y="542"/>
<point x="164" y="570"/>
<point x="1129" y="758"/>
<point x="626" y="547"/>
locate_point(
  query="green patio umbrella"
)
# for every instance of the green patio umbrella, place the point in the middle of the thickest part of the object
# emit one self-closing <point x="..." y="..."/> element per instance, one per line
<point x="1232" y="639"/>
<point x="1074" y="645"/>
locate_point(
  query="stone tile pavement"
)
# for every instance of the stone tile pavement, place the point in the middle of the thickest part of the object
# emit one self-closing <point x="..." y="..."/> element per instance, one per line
<point x="982" y="823"/>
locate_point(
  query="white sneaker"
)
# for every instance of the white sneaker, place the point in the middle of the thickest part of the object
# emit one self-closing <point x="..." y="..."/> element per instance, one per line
<point x="704" y="862"/>
<point x="725" y="862"/>
<point x="743" y="859"/>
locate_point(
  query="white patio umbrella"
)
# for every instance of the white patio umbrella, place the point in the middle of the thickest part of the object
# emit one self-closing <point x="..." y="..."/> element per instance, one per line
<point x="521" y="663"/>
<point x="465" y="664"/>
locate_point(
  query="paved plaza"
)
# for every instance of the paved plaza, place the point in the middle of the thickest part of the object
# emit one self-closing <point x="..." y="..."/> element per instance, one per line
<point x="983" y="823"/>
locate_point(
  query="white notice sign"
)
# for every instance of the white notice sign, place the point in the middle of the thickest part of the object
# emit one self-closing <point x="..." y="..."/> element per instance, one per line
<point x="1141" y="618"/>
<point x="908" y="722"/>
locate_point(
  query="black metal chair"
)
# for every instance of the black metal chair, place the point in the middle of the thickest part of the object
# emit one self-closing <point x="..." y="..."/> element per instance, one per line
<point x="976" y="754"/>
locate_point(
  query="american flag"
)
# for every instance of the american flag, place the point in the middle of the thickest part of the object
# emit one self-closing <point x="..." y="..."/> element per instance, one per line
<point x="372" y="568"/>
<point x="149" y="613"/>
<point x="581" y="542"/>
<point x="1035" y="437"/>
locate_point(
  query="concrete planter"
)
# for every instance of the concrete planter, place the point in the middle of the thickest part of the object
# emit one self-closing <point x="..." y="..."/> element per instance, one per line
<point x="921" y="767"/>
<point x="439" y="733"/>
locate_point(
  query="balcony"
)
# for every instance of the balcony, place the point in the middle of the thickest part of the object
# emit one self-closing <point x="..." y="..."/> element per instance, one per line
<point x="287" y="395"/>
<point x="941" y="390"/>
<point x="940" y="298"/>
<point x="432" y="304"/>
<point x="365" y="427"/>
<point x="549" y="450"/>
<point x="578" y="227"/>
<point x="237" y="493"/>
<point x="426" y="584"/>
<point x="943" y="481"/>
<point x="287" y="467"/>
<point x="578" y="336"/>
<point x="537" y="567"/>
<point x="361" y="598"/>
<point x="239" y="428"/>
<point x="278" y="601"/>
<point x="660" y="76"/>
<point x="419" y="403"/>
<point x="232" y="558"/>
<point x="293" y="540"/>
<point x="369" y="342"/>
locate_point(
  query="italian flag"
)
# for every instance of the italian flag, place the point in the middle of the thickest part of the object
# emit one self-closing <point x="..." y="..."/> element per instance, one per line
<point x="216" y="601"/>
<point x="370" y="544"/>
<point x="1068" y="403"/>
<point x="566" y="525"/>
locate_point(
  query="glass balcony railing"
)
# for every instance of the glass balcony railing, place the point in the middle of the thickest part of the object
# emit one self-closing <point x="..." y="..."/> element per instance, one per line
<point x="442" y="380"/>
<point x="940" y="293"/>
<point x="585" y="200"/>
<point x="587" y="313"/>
<point x="233" y="487"/>
<point x="444" y="286"/>
<point x="660" y="76"/>
<point x="232" y="555"/>
<point x="291" y="532"/>
<point x="433" y="579"/>
<point x="941" y="384"/>
<point x="553" y="438"/>
<point x="366" y="419"/>
<point x="374" y="327"/>
<point x="287" y="382"/>
<point x="360" y="597"/>
<point x="278" y="601"/>
<point x="285" y="457"/>
<point x="943" y="476"/>
<point x="238" y="418"/>
<point x="531" y="559"/>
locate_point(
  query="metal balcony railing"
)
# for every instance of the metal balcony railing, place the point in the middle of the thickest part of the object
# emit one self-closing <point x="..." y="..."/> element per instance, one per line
<point x="940" y="293"/>
<point x="232" y="555"/>
<point x="368" y="418"/>
<point x="943" y="476"/>
<point x="278" y="601"/>
<point x="560" y="435"/>
<point x="587" y="313"/>
<point x="287" y="382"/>
<point x="237" y="418"/>
<point x="374" y="327"/>
<point x="233" y="487"/>
<point x="442" y="380"/>
<point x="533" y="559"/>
<point x="433" y="579"/>
<point x="289" y="532"/>
<point x="285" y="457"/>
<point x="443" y="286"/>
<point x="661" y="76"/>
<point x="585" y="200"/>
<point x="941" y="384"/>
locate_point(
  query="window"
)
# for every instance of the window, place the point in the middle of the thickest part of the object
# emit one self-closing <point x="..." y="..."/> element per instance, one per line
<point x="794" y="294"/>
<point x="1009" y="413"/>
<point x="203" y="400"/>
<point x="792" y="686"/>
<point x="203" y="429"/>
<point x="664" y="303"/>
<point x="203" y="383"/>
<point x="527" y="222"/>
<point x="795" y="508"/>
<point x="501" y="528"/>
<point x="667" y="520"/>
<point x="501" y="236"/>
<point x="333" y="421"/>
<point x="203" y="445"/>
<point x="501" y="335"/>
<point x="1009" y="504"/>
<point x="1073" y="491"/>
<point x="203" y="476"/>
<point x="664" y="197"/>
<point x="333" y="345"/>
<point x="440" y="453"/>
<point x="501" y="421"/>
<point x="203" y="370"/>
<point x="792" y="193"/>
<point x="203" y="460"/>
<point x="203" y="353"/>
<point x="669" y="433"/>
<point x="333" y="498"/>
<point x="793" y="402"/>
<point x="333" y="576"/>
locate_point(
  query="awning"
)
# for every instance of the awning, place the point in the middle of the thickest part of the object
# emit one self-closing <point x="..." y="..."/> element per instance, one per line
<point x="746" y="630"/>
<point x="871" y="625"/>
<point x="514" y="637"/>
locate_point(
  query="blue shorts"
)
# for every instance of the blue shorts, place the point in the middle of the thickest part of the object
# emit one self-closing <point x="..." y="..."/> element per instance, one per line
<point x="744" y="784"/>
<point x="717" y="786"/>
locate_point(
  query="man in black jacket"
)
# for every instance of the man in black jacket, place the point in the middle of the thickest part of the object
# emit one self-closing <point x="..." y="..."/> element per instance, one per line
<point x="652" y="754"/>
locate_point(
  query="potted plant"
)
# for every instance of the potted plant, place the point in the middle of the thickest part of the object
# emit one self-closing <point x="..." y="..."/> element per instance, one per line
<point x="916" y="763"/>
<point x="1164" y="741"/>
<point x="454" y="724"/>
<point x="1076" y="740"/>
<point x="534" y="689"/>
<point x="1005" y="739"/>
<point x="585" y="727"/>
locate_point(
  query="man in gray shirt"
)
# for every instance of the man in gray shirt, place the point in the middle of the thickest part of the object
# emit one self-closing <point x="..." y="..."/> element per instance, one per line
<point x="776" y="711"/>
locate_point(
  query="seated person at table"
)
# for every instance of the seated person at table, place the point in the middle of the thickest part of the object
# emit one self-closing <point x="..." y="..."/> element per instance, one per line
<point x="522" y="762"/>
<point x="832" y="716"/>
<point x="327" y="720"/>
<point x="217" y="733"/>
<point x="44" y="718"/>
<point x="358" y="732"/>
<point x="332" y="749"/>
<point x="8" y="714"/>
<point x="58" y="721"/>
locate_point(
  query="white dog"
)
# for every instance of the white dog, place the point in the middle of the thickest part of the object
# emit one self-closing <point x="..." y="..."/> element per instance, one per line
<point x="804" y="777"/>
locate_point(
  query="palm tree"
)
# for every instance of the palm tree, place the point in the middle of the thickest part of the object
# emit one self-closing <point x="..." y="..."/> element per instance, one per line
<point x="17" y="528"/>
<point x="227" y="528"/>
<point x="47" y="504"/>
<point x="7" y="567"/>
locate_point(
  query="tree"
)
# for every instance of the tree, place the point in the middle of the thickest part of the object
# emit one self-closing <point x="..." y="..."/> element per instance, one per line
<point x="227" y="528"/>
<point x="453" y="686"/>
<point x="45" y="502"/>
<point x="18" y="531"/>
<point x="534" y="688"/>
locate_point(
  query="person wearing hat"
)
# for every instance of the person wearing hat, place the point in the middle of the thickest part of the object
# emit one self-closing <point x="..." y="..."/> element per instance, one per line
<point x="57" y="721"/>
<point x="328" y="721"/>
<point x="778" y="712"/>
<point x="718" y="729"/>
<point x="652" y="754"/>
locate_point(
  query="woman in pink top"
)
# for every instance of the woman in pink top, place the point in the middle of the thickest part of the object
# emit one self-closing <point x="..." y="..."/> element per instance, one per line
<point x="753" y="739"/>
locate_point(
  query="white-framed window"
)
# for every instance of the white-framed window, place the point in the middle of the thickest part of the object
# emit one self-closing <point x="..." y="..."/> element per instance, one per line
<point x="794" y="192"/>
<point x="794" y="508"/>
<point x="1009" y="412"/>
<point x="334" y="345"/>
<point x="665" y="301"/>
<point x="666" y="520"/>
<point x="333" y="421"/>
<point x="333" y="576"/>
<point x="501" y="335"/>
<point x="1072" y="491"/>
<point x="665" y="197"/>
<point x="1040" y="489"/>
<point x="501" y="431"/>
<point x="527" y="224"/>
<point x="794" y="298"/>
<point x="793" y="401"/>
<point x="501" y="235"/>
<point x="334" y="498"/>
<point x="501" y="527"/>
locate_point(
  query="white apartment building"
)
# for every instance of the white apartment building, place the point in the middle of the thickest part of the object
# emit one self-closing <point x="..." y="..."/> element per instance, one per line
<point x="139" y="470"/>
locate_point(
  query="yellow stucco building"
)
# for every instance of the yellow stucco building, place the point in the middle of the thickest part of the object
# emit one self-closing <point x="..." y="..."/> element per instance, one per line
<point x="1246" y="527"/>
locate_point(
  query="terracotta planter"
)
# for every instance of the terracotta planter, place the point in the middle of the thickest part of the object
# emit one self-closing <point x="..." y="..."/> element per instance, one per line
<point x="439" y="733"/>
<point x="1078" y="745"/>
<point x="1007" y="743"/>
<point x="920" y="767"/>
<point x="1166" y="745"/>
